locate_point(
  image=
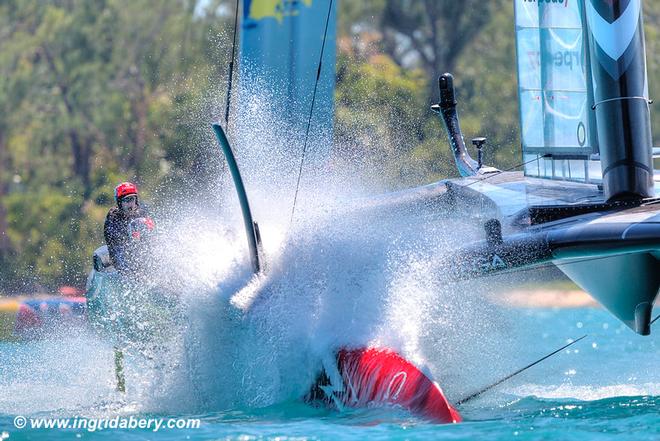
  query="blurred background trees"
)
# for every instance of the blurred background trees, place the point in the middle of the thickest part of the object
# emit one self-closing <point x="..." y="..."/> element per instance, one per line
<point x="94" y="92"/>
<point x="91" y="92"/>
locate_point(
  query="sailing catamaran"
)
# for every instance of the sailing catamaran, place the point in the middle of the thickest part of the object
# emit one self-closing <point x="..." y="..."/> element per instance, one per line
<point x="587" y="200"/>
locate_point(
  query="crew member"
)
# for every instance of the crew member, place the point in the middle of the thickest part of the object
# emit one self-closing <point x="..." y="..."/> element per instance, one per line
<point x="124" y="225"/>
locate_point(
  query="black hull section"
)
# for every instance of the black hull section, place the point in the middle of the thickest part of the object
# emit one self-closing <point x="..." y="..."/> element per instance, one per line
<point x="612" y="256"/>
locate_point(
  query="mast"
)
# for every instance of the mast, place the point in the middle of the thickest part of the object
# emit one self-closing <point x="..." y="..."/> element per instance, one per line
<point x="621" y="105"/>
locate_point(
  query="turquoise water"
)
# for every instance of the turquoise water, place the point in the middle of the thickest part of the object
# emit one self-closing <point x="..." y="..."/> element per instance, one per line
<point x="605" y="387"/>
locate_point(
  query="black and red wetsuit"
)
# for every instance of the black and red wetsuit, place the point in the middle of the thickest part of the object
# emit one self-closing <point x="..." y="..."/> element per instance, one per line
<point x="117" y="233"/>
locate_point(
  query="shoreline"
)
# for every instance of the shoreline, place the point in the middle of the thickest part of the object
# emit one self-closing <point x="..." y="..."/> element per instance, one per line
<point x="517" y="298"/>
<point x="547" y="298"/>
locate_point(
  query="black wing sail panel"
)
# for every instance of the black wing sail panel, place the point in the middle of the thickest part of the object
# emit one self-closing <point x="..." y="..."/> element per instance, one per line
<point x="614" y="257"/>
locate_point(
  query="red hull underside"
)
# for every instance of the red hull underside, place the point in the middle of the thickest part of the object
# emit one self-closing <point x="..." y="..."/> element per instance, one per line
<point x="382" y="377"/>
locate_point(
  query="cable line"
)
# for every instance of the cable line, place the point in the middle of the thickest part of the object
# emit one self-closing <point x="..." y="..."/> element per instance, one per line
<point x="311" y="111"/>
<point x="231" y="70"/>
<point x="502" y="380"/>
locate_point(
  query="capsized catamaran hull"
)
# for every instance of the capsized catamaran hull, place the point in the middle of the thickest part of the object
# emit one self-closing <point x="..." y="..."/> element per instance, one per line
<point x="590" y="123"/>
<point x="370" y="377"/>
<point x="587" y="201"/>
<point x="611" y="250"/>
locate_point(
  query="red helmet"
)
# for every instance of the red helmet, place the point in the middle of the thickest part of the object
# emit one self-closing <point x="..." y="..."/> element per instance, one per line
<point x="124" y="189"/>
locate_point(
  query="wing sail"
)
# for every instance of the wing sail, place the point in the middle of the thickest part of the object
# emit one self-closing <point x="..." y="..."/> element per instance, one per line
<point x="281" y="44"/>
<point x="554" y="91"/>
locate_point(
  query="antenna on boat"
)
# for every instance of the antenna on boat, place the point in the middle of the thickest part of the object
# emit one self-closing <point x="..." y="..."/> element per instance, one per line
<point x="447" y="109"/>
<point x="311" y="112"/>
<point x="479" y="144"/>
<point x="500" y="381"/>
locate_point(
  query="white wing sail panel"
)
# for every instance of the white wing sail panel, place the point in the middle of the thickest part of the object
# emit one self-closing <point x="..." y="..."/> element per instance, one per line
<point x="553" y="88"/>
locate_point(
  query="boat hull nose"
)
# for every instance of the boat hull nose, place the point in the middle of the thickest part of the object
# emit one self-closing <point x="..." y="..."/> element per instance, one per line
<point x="627" y="285"/>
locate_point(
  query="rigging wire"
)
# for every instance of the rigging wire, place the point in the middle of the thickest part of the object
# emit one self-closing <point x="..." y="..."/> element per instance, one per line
<point x="502" y="380"/>
<point x="311" y="112"/>
<point x="231" y="70"/>
<point x="519" y="371"/>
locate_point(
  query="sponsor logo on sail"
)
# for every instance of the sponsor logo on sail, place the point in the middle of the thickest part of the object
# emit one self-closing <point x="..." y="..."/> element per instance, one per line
<point x="277" y="9"/>
<point x="558" y="59"/>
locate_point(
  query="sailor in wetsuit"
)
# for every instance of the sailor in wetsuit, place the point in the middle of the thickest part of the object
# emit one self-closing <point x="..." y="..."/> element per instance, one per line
<point x="120" y="231"/>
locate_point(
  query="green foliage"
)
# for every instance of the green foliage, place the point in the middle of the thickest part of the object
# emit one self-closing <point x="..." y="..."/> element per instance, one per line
<point x="377" y="108"/>
<point x="383" y="105"/>
<point x="51" y="240"/>
<point x="92" y="92"/>
<point x="489" y="102"/>
<point x="383" y="120"/>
